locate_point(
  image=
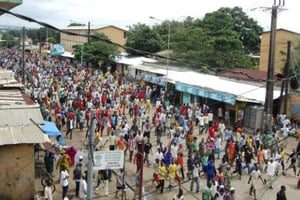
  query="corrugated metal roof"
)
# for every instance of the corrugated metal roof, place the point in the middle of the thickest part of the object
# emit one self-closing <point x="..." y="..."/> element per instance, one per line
<point x="16" y="112"/>
<point x="7" y="79"/>
<point x="29" y="134"/>
<point x="20" y="115"/>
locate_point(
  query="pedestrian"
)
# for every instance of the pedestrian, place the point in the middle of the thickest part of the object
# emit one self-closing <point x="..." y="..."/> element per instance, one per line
<point x="293" y="158"/>
<point x="120" y="184"/>
<point x="48" y="191"/>
<point x="147" y="150"/>
<point x="83" y="188"/>
<point x="64" y="175"/>
<point x="195" y="178"/>
<point x="69" y="127"/>
<point x="210" y="171"/>
<point x="49" y="162"/>
<point x="271" y="168"/>
<point x="207" y="192"/>
<point x="220" y="194"/>
<point x="231" y="195"/>
<point x="254" y="176"/>
<point x="105" y="177"/>
<point x="281" y="193"/>
<point x="172" y="173"/>
<point x="179" y="195"/>
<point x="162" y="172"/>
<point x="77" y="174"/>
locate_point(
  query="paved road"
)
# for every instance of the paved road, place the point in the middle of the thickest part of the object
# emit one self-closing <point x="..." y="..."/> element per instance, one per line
<point x="242" y="188"/>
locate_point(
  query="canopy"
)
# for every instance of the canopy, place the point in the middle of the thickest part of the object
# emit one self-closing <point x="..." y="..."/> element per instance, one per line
<point x="50" y="129"/>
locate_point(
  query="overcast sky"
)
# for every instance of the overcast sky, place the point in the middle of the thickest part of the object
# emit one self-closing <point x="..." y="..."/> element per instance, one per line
<point x="60" y="13"/>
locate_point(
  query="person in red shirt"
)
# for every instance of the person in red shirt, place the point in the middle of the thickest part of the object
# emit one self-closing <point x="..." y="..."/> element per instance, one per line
<point x="211" y="132"/>
<point x="71" y="115"/>
<point x="56" y="109"/>
<point x="103" y="99"/>
<point x="80" y="104"/>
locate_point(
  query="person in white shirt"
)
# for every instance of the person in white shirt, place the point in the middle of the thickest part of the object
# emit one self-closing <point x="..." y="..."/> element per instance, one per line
<point x="201" y="123"/>
<point x="48" y="191"/>
<point x="196" y="179"/>
<point x="64" y="175"/>
<point x="218" y="146"/>
<point x="221" y="129"/>
<point x="83" y="188"/>
<point x="210" y="116"/>
<point x="271" y="168"/>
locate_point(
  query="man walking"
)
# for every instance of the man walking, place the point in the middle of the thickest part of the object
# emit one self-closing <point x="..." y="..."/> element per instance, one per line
<point x="271" y="168"/>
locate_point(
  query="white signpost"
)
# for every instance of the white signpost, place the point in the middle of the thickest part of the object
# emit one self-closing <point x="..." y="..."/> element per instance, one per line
<point x="108" y="160"/>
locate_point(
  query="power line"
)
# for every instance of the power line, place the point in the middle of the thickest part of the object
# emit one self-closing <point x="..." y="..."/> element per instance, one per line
<point x="145" y="53"/>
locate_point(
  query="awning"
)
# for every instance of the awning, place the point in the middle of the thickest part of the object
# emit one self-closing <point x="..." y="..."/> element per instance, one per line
<point x="50" y="129"/>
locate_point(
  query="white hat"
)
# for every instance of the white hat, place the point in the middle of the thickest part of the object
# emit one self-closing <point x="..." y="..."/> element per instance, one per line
<point x="221" y="187"/>
<point x="80" y="157"/>
<point x="232" y="189"/>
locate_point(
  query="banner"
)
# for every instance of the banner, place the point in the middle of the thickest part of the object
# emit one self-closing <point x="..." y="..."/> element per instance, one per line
<point x="207" y="93"/>
<point x="57" y="49"/>
<point x="108" y="160"/>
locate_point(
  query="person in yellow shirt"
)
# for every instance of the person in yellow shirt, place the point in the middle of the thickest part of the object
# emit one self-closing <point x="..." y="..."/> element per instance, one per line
<point x="282" y="154"/>
<point x="250" y="142"/>
<point x="172" y="172"/>
<point x="148" y="104"/>
<point x="298" y="136"/>
<point x="162" y="172"/>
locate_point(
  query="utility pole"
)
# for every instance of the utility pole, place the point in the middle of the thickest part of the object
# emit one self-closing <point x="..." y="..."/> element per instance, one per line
<point x="285" y="81"/>
<point x="23" y="55"/>
<point x="268" y="107"/>
<point x="141" y="160"/>
<point x="91" y="156"/>
<point x="89" y="32"/>
<point x="286" y="76"/>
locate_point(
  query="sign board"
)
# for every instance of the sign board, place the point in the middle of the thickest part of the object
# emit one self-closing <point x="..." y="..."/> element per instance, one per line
<point x="108" y="160"/>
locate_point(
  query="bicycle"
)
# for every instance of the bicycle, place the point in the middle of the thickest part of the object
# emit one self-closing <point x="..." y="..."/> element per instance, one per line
<point x="46" y="177"/>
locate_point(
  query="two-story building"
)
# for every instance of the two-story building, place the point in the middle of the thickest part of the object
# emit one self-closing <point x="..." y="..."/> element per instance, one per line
<point x="282" y="38"/>
<point x="115" y="34"/>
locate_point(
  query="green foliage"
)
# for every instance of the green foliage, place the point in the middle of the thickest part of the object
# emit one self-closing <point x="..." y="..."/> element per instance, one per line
<point x="52" y="40"/>
<point x="96" y="51"/>
<point x="143" y="38"/>
<point x="222" y="39"/>
<point x="40" y="35"/>
<point x="9" y="40"/>
<point x="76" y="24"/>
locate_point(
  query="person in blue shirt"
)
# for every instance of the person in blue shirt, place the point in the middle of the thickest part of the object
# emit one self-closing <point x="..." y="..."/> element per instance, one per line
<point x="168" y="158"/>
<point x="210" y="171"/>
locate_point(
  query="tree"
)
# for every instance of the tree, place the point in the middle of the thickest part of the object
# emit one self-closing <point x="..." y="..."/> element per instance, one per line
<point x="192" y="44"/>
<point x="228" y="47"/>
<point x="247" y="27"/>
<point x="43" y="35"/>
<point x="76" y="24"/>
<point x="142" y="37"/>
<point x="96" y="51"/>
<point x="9" y="40"/>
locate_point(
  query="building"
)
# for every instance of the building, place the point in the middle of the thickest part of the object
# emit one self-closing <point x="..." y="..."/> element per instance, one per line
<point x="9" y="4"/>
<point x="242" y="99"/>
<point x="282" y="37"/>
<point x="18" y="136"/>
<point x="115" y="34"/>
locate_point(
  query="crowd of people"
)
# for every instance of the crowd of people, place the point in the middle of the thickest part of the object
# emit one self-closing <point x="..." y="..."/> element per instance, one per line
<point x="201" y="143"/>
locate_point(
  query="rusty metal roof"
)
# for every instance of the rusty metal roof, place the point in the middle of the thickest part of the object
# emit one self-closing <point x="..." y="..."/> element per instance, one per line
<point x="244" y="74"/>
<point x="18" y="118"/>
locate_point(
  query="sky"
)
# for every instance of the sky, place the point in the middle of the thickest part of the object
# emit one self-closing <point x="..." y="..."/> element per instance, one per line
<point x="120" y="13"/>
